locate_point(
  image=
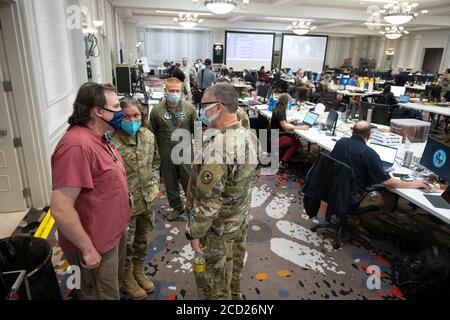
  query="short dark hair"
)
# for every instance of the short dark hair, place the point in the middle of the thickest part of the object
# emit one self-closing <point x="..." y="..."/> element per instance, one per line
<point x="207" y="62"/>
<point x="362" y="131"/>
<point x="89" y="95"/>
<point x="387" y="89"/>
<point x="226" y="94"/>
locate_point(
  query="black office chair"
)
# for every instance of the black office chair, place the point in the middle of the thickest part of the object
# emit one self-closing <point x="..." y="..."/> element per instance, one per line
<point x="263" y="91"/>
<point x="329" y="99"/>
<point x="381" y="114"/>
<point x="333" y="182"/>
<point x="379" y="98"/>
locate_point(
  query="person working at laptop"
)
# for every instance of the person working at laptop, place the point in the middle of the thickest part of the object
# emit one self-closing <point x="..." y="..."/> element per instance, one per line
<point x="279" y="121"/>
<point x="368" y="168"/>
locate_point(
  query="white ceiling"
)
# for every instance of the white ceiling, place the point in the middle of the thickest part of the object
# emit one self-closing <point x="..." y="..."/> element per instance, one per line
<point x="338" y="17"/>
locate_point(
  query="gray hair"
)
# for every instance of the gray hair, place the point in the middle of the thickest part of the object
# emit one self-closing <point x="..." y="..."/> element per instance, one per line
<point x="226" y="94"/>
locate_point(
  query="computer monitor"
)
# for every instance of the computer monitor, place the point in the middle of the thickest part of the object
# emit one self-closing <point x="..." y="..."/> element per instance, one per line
<point x="436" y="158"/>
<point x="344" y="81"/>
<point x="398" y="91"/>
<point x="331" y="122"/>
<point x="317" y="77"/>
<point x="363" y="110"/>
<point x="290" y="74"/>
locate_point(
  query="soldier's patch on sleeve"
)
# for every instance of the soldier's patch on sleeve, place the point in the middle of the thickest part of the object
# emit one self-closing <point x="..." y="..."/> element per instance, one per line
<point x="207" y="177"/>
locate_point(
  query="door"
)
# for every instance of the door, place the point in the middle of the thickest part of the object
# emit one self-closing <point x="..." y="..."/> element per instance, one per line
<point x="432" y="60"/>
<point x="11" y="187"/>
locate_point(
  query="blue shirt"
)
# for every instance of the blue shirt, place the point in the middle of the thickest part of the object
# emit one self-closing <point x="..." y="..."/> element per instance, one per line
<point x="365" y="162"/>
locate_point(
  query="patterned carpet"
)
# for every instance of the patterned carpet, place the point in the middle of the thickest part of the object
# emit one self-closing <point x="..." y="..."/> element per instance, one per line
<point x="285" y="260"/>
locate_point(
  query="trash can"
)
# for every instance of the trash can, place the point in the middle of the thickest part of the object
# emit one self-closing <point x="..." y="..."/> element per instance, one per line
<point x="34" y="256"/>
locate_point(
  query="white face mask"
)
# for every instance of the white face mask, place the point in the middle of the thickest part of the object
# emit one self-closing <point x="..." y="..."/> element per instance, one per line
<point x="208" y="120"/>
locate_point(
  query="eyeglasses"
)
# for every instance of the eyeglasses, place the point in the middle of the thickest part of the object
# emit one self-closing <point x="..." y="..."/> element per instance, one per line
<point x="205" y="104"/>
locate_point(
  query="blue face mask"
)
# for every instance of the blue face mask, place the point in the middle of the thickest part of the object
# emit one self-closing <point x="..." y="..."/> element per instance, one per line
<point x="208" y="121"/>
<point x="131" y="127"/>
<point x="174" y="97"/>
<point x="116" y="121"/>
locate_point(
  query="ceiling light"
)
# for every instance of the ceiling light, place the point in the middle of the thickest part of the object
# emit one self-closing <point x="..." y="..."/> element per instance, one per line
<point x="188" y="20"/>
<point x="394" y="32"/>
<point x="98" y="23"/>
<point x="301" y="27"/>
<point x="400" y="13"/>
<point x="222" y="6"/>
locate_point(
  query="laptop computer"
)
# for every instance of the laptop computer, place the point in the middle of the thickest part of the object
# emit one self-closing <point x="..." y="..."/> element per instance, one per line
<point x="310" y="119"/>
<point x="403" y="99"/>
<point x="398" y="91"/>
<point x="387" y="154"/>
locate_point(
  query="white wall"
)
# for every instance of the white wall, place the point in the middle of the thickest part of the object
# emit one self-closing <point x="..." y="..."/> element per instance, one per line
<point x="130" y="50"/>
<point x="409" y="49"/>
<point x="53" y="66"/>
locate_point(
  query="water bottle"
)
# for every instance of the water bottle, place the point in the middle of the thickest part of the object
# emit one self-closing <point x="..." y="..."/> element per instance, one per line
<point x="199" y="262"/>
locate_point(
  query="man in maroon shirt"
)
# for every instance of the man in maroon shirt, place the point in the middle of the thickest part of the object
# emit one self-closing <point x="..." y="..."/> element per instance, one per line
<point x="90" y="203"/>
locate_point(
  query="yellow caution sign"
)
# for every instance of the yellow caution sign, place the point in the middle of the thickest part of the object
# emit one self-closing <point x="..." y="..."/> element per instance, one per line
<point x="45" y="227"/>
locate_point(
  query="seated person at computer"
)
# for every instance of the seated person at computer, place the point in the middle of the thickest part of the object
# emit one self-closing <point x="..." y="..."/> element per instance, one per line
<point x="263" y="76"/>
<point x="389" y="97"/>
<point x="368" y="168"/>
<point x="248" y="78"/>
<point x="325" y="83"/>
<point x="279" y="121"/>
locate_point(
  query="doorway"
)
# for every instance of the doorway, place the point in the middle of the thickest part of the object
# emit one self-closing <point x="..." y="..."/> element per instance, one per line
<point x="432" y="60"/>
<point x="12" y="192"/>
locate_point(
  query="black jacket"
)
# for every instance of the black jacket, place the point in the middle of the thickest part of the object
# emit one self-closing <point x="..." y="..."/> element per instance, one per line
<point x="333" y="182"/>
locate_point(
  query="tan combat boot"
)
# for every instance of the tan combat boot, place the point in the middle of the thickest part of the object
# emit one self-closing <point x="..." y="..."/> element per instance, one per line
<point x="131" y="287"/>
<point x="173" y="215"/>
<point x="141" y="278"/>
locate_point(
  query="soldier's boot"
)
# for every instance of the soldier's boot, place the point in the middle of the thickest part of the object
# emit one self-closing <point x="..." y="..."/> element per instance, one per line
<point x="173" y="215"/>
<point x="132" y="287"/>
<point x="141" y="278"/>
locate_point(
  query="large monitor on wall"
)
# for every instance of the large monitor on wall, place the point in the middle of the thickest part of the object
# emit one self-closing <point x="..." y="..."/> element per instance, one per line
<point x="245" y="50"/>
<point x="306" y="52"/>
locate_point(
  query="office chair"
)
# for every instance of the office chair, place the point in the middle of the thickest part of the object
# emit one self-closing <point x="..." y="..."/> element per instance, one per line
<point x="379" y="98"/>
<point x="324" y="183"/>
<point x="263" y="91"/>
<point x="329" y="99"/>
<point x="381" y="114"/>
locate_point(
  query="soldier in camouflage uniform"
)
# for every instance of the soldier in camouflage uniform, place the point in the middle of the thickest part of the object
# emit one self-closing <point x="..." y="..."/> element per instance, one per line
<point x="171" y="114"/>
<point x="243" y="118"/>
<point x="219" y="195"/>
<point x="137" y="147"/>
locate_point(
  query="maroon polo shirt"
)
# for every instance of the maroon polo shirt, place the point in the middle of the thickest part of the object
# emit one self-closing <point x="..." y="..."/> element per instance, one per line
<point x="82" y="160"/>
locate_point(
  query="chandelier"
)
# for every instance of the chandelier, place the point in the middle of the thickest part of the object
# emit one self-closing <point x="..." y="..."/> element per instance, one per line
<point x="187" y="20"/>
<point x="400" y="13"/>
<point x="221" y="6"/>
<point x="301" y="27"/>
<point x="394" y="32"/>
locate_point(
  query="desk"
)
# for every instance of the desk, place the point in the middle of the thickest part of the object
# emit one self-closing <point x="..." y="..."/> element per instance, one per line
<point x="416" y="87"/>
<point x="445" y="111"/>
<point x="413" y="195"/>
<point x="361" y="94"/>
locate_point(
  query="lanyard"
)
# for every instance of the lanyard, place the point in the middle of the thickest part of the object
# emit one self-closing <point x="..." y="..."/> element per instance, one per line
<point x="111" y="151"/>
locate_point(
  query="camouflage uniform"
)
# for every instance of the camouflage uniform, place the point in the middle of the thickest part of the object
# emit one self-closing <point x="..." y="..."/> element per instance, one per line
<point x="141" y="164"/>
<point x="243" y="118"/>
<point x="219" y="196"/>
<point x="163" y="121"/>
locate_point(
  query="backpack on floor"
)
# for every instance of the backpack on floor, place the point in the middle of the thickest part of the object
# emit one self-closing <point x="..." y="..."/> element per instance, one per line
<point x="425" y="275"/>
